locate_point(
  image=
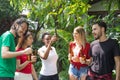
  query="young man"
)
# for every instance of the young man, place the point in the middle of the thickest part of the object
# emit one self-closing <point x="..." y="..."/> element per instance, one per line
<point x="7" y="49"/>
<point x="105" y="53"/>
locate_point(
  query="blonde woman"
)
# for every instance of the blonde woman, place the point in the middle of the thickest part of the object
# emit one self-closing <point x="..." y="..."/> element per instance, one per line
<point x="78" y="55"/>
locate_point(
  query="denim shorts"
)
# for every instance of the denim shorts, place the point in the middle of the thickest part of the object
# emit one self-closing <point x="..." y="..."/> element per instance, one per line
<point x="77" y="73"/>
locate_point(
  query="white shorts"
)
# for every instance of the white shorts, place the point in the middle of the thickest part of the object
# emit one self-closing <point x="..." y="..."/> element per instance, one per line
<point x="22" y="76"/>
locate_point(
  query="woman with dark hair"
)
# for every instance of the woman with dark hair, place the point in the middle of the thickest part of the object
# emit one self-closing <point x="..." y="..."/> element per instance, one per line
<point x="49" y="58"/>
<point x="25" y="68"/>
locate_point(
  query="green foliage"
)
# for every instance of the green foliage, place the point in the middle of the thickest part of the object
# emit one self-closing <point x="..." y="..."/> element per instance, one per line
<point x="20" y="5"/>
<point x="112" y="4"/>
<point x="6" y="10"/>
<point x="64" y="15"/>
<point x="7" y="15"/>
<point x="113" y="25"/>
<point x="63" y="75"/>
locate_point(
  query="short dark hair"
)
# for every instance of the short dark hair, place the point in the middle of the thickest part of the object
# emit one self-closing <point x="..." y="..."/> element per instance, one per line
<point x="101" y="24"/>
<point x="19" y="21"/>
<point x="43" y="35"/>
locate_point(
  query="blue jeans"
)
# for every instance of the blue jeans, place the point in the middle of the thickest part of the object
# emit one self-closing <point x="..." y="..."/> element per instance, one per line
<point x="51" y="77"/>
<point x="77" y="73"/>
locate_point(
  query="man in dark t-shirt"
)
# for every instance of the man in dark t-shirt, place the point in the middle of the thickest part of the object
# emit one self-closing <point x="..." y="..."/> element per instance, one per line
<point x="105" y="53"/>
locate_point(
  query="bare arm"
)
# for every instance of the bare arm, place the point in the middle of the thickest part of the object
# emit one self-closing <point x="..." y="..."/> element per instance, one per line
<point x="21" y="66"/>
<point x="69" y="57"/>
<point x="117" y="63"/>
<point x="34" y="73"/>
<point x="44" y="55"/>
<point x="7" y="54"/>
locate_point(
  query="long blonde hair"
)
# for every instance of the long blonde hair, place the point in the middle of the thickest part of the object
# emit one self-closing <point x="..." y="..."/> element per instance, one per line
<point x="81" y="31"/>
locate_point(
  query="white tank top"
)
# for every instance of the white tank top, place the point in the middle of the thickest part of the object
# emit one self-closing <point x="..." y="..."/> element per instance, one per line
<point x="76" y="50"/>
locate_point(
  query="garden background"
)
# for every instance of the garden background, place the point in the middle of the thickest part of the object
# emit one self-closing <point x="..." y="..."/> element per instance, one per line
<point x="61" y="17"/>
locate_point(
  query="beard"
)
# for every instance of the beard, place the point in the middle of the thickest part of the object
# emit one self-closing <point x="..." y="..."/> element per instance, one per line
<point x="16" y="32"/>
<point x="17" y="36"/>
<point x="98" y="36"/>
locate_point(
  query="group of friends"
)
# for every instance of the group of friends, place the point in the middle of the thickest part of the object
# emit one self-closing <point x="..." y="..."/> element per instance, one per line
<point x="88" y="61"/>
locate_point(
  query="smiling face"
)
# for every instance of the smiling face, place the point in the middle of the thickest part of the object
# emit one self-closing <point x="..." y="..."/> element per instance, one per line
<point x="46" y="39"/>
<point x="29" y="40"/>
<point x="97" y="31"/>
<point x="76" y="35"/>
<point x="79" y="35"/>
<point x="21" y="29"/>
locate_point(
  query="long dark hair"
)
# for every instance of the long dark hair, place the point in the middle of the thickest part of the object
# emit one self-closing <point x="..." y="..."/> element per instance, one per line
<point x="21" y="43"/>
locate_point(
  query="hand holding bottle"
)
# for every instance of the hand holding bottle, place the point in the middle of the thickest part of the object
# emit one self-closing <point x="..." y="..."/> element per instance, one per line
<point x="28" y="50"/>
<point x="82" y="60"/>
<point x="33" y="58"/>
<point x="75" y="58"/>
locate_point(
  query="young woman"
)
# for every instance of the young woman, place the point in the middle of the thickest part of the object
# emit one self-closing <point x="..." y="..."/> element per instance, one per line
<point x="49" y="58"/>
<point x="78" y="55"/>
<point x="25" y="69"/>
